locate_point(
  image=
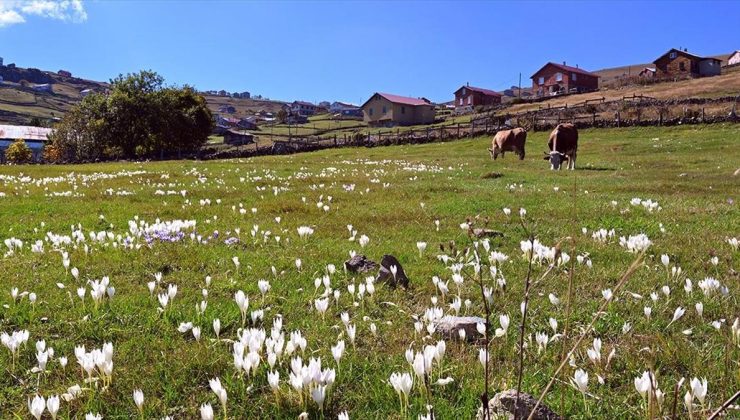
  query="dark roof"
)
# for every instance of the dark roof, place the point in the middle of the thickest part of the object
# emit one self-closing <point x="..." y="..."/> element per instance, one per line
<point x="480" y="90"/>
<point x="303" y="103"/>
<point x="686" y="53"/>
<point x="396" y="99"/>
<point x="565" y="68"/>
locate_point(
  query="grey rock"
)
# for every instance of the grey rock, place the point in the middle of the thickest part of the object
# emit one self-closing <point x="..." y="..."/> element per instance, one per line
<point x="385" y="274"/>
<point x="487" y="233"/>
<point x="449" y="327"/>
<point x="360" y="264"/>
<point x="502" y="406"/>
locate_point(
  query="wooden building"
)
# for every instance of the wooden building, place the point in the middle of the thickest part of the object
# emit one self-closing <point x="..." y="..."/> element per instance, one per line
<point x="467" y="97"/>
<point x="556" y="79"/>
<point x="677" y="63"/>
<point x="238" y="137"/>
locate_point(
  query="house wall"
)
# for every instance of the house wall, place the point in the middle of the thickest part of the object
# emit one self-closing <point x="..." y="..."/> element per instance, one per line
<point x="734" y="59"/>
<point x="396" y="114"/>
<point x="474" y="98"/>
<point x="551" y="83"/>
<point x="709" y="68"/>
<point x="679" y="66"/>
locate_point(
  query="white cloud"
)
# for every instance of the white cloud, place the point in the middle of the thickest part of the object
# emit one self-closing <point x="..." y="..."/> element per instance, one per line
<point x="10" y="17"/>
<point x="14" y="11"/>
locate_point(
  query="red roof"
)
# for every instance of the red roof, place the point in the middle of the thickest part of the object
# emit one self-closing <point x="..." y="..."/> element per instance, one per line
<point x="565" y="68"/>
<point x="396" y="99"/>
<point x="481" y="90"/>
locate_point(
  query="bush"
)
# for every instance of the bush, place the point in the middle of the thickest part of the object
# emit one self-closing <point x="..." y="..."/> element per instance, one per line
<point x="18" y="152"/>
<point x="51" y="154"/>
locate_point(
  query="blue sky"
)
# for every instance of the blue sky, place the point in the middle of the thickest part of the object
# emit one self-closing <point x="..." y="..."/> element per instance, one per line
<point x="347" y="50"/>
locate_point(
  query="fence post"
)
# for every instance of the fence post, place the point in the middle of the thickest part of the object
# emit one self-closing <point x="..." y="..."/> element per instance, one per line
<point x="427" y="134"/>
<point x="702" y="114"/>
<point x="458" y="130"/>
<point x="441" y="132"/>
<point x="619" y="119"/>
<point x="335" y="140"/>
<point x="594" y="120"/>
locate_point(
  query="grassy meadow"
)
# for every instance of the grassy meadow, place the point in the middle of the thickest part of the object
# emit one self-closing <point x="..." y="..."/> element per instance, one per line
<point x="111" y="220"/>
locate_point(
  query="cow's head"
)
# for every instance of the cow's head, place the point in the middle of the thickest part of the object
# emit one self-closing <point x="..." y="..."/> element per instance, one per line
<point x="556" y="159"/>
<point x="495" y="151"/>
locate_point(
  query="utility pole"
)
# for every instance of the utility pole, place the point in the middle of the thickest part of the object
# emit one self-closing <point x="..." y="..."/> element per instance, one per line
<point x="520" y="85"/>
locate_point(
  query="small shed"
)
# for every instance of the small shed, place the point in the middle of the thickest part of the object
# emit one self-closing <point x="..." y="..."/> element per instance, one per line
<point x="238" y="138"/>
<point x="35" y="138"/>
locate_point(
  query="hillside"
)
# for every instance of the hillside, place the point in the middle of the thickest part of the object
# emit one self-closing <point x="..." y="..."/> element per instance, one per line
<point x="19" y="102"/>
<point x="612" y="74"/>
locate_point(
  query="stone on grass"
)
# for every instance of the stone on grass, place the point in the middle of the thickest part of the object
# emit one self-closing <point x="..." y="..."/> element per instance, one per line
<point x="502" y="406"/>
<point x="360" y="264"/>
<point x="487" y="233"/>
<point x="449" y="327"/>
<point x="386" y="274"/>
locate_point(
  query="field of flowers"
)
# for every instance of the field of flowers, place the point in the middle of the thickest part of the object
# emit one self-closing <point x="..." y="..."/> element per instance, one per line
<point x="218" y="289"/>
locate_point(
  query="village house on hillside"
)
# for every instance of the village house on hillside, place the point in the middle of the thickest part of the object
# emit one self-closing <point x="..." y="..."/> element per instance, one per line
<point x="337" y="107"/>
<point x="734" y="59"/>
<point x="35" y="138"/>
<point x="303" y="108"/>
<point x="468" y="97"/>
<point x="681" y="63"/>
<point x="554" y="79"/>
<point x="384" y="109"/>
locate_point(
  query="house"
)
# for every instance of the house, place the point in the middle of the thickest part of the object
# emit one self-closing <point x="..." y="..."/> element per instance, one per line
<point x="553" y="79"/>
<point x="85" y="92"/>
<point x="647" y="73"/>
<point x="303" y="108"/>
<point x="467" y="97"/>
<point x="223" y="93"/>
<point x="64" y="73"/>
<point x="45" y="87"/>
<point x="249" y="123"/>
<point x="680" y="63"/>
<point x="384" y="109"/>
<point x="225" y="121"/>
<point x="1" y="61"/>
<point x="237" y="137"/>
<point x="337" y="107"/>
<point x="296" y="119"/>
<point x="732" y="60"/>
<point x="228" y="109"/>
<point x="35" y="137"/>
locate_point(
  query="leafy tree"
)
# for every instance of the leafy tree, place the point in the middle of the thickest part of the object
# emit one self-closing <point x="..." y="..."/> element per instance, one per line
<point x="139" y="118"/>
<point x="18" y="152"/>
<point x="282" y="116"/>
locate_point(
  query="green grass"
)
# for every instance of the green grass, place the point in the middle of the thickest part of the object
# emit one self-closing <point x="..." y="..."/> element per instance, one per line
<point x="688" y="170"/>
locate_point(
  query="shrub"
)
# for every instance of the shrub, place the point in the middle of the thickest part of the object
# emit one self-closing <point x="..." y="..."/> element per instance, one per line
<point x="18" y="152"/>
<point x="51" y="154"/>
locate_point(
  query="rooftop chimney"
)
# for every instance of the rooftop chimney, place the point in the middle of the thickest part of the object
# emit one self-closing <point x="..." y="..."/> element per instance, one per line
<point x="563" y="62"/>
<point x="467" y="83"/>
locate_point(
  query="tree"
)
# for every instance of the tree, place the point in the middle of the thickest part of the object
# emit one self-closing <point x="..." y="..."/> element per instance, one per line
<point x="18" y="152"/>
<point x="282" y="116"/>
<point x="139" y="118"/>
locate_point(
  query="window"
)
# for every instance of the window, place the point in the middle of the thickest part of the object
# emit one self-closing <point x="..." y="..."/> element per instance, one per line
<point x="682" y="66"/>
<point x="403" y="110"/>
<point x="371" y="112"/>
<point x="384" y="109"/>
<point x="461" y="100"/>
<point x="573" y="76"/>
<point x="673" y="55"/>
<point x="470" y="100"/>
<point x="541" y="81"/>
<point x="559" y="77"/>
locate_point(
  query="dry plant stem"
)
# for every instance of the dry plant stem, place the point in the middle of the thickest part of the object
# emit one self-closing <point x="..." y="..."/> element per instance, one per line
<point x="522" y="326"/>
<point x="724" y="406"/>
<point x="626" y="276"/>
<point x="675" y="399"/>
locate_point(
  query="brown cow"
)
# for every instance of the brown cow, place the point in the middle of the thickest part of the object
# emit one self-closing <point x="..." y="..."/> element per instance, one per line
<point x="509" y="141"/>
<point x="563" y="145"/>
